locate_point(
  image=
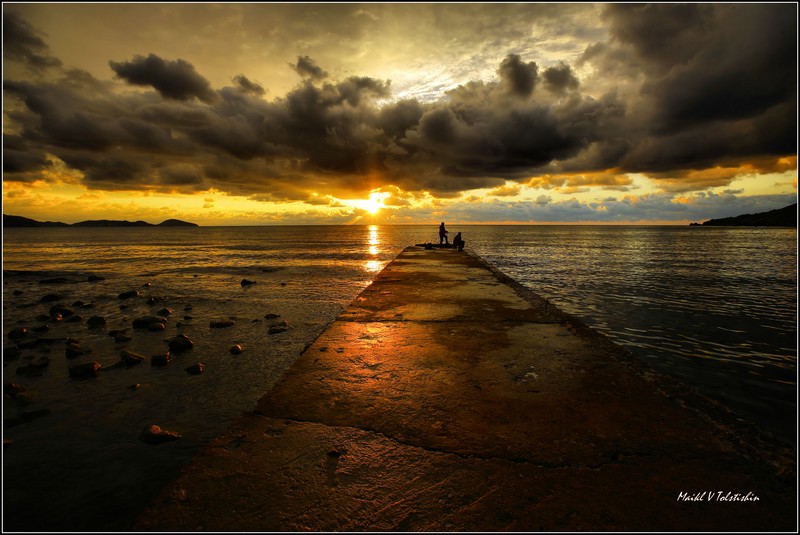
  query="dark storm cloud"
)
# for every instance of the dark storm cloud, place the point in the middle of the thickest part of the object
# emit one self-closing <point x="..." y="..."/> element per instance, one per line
<point x="519" y="77"/>
<point x="173" y="79"/>
<point x="19" y="157"/>
<point x="21" y="43"/>
<point x="711" y="62"/>
<point x="307" y="68"/>
<point x="560" y="79"/>
<point x="716" y="89"/>
<point x="246" y="86"/>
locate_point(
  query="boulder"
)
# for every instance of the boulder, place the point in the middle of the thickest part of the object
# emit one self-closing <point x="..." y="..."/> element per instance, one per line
<point x="160" y="361"/>
<point x="49" y="298"/>
<point x="246" y="282"/>
<point x="54" y="280"/>
<point x="144" y="322"/>
<point x="96" y="322"/>
<point x="130" y="358"/>
<point x="95" y="278"/>
<point x="195" y="369"/>
<point x="236" y="349"/>
<point x="279" y="327"/>
<point x="221" y="324"/>
<point x="165" y="312"/>
<point x="156" y="327"/>
<point x="18" y="333"/>
<point x="12" y="389"/>
<point x="155" y="435"/>
<point x="85" y="370"/>
<point x="74" y="351"/>
<point x="63" y="311"/>
<point x="271" y="316"/>
<point x="128" y="295"/>
<point x="180" y="343"/>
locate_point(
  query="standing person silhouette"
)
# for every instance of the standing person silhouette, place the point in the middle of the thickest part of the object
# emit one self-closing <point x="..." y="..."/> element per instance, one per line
<point x="443" y="234"/>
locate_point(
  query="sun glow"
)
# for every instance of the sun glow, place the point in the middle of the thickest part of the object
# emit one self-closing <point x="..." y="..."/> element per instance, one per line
<point x="371" y="205"/>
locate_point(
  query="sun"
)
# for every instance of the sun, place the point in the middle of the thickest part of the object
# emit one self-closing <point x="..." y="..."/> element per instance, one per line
<point x="371" y="205"/>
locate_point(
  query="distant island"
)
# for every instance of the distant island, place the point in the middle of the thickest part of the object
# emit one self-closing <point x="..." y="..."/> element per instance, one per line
<point x="19" y="221"/>
<point x="782" y="217"/>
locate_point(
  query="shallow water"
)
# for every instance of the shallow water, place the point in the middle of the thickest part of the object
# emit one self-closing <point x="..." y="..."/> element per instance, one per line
<point x="714" y="307"/>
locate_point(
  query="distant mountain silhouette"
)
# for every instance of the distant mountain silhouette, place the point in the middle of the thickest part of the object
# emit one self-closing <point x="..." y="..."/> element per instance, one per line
<point x="782" y="217"/>
<point x="19" y="221"/>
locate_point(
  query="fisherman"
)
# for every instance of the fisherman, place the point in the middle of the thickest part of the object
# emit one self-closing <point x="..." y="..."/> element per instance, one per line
<point x="458" y="242"/>
<point x="443" y="234"/>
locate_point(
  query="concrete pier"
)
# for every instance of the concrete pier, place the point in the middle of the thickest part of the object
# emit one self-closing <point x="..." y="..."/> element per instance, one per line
<point x="448" y="398"/>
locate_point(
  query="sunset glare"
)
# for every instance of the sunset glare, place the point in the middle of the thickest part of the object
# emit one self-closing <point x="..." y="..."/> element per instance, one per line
<point x="271" y="113"/>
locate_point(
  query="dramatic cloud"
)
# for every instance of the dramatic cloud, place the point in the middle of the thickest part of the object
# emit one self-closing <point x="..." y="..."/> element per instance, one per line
<point x="689" y="95"/>
<point x="21" y="43"/>
<point x="246" y="86"/>
<point x="173" y="79"/>
<point x="307" y="68"/>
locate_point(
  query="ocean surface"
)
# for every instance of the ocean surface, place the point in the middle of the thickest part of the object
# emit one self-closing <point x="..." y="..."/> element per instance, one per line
<point x="714" y="307"/>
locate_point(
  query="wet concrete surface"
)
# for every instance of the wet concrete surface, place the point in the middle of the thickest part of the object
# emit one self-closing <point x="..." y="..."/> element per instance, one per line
<point x="448" y="398"/>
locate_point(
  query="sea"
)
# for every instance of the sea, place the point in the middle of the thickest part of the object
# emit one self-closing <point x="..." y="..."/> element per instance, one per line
<point x="714" y="307"/>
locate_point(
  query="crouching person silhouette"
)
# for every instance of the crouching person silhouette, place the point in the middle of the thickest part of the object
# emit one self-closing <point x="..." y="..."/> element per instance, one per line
<point x="458" y="242"/>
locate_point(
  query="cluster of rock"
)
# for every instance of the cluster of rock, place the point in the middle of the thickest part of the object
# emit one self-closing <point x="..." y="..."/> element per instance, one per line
<point x="22" y="338"/>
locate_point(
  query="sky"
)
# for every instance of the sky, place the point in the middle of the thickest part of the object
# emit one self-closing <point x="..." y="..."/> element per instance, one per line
<point x="399" y="113"/>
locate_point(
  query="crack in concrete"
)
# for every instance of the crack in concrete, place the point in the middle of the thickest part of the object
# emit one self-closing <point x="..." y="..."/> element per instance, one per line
<point x="612" y="459"/>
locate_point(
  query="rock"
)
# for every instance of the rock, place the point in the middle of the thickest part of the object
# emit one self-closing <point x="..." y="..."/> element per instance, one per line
<point x="122" y="338"/>
<point x="195" y="369"/>
<point x="74" y="351"/>
<point x="29" y="371"/>
<point x="221" y="324"/>
<point x="56" y="318"/>
<point x="27" y="344"/>
<point x="114" y="332"/>
<point x="41" y="362"/>
<point x="81" y="304"/>
<point x="135" y="386"/>
<point x="165" y="312"/>
<point x="12" y="389"/>
<point x="95" y="278"/>
<point x="130" y="358"/>
<point x="25" y="417"/>
<point x="128" y="295"/>
<point x="147" y="285"/>
<point x="156" y="327"/>
<point x="74" y="319"/>
<point x="188" y="318"/>
<point x="144" y="322"/>
<point x="63" y="311"/>
<point x="271" y="316"/>
<point x="49" y="298"/>
<point x="180" y="343"/>
<point x="85" y="370"/>
<point x="11" y="353"/>
<point x="160" y="361"/>
<point x="246" y="282"/>
<point x="187" y="308"/>
<point x="43" y="317"/>
<point x="55" y="280"/>
<point x="236" y="349"/>
<point x="153" y="300"/>
<point x="96" y="322"/>
<point x="41" y="329"/>
<point x="155" y="435"/>
<point x="279" y="327"/>
<point x="18" y="333"/>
